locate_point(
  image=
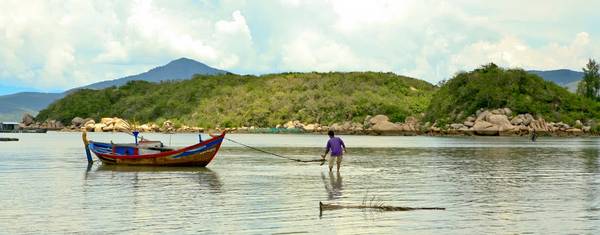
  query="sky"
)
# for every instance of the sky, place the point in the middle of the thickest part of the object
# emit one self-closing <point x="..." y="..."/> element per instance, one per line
<point x="53" y="46"/>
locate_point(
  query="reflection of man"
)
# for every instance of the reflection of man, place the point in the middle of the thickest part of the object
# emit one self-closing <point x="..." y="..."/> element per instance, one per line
<point x="334" y="187"/>
<point x="337" y="147"/>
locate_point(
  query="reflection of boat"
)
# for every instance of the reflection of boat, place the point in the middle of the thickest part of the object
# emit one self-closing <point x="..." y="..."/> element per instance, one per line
<point x="206" y="177"/>
<point x="154" y="153"/>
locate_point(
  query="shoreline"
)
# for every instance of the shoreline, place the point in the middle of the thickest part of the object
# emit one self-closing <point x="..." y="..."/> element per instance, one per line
<point x="441" y="133"/>
<point x="497" y="122"/>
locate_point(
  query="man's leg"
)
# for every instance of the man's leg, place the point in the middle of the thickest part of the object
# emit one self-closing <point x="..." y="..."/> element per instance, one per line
<point x="330" y="161"/>
<point x="339" y="162"/>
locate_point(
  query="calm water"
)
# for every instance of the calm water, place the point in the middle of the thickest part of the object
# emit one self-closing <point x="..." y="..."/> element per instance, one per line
<point x="487" y="185"/>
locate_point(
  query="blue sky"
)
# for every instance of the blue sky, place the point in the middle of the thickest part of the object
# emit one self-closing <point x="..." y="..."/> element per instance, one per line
<point x="57" y="45"/>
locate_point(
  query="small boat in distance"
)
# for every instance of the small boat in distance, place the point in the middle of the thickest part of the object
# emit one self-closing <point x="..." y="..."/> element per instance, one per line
<point x="154" y="153"/>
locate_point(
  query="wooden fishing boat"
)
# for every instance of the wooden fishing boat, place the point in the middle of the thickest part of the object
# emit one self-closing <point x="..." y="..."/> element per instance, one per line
<point x="154" y="153"/>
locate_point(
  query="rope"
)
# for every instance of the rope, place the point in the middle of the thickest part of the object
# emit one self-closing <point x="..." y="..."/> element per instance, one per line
<point x="274" y="154"/>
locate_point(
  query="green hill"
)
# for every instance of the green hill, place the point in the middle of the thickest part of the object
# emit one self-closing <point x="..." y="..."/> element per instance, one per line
<point x="491" y="87"/>
<point x="232" y="100"/>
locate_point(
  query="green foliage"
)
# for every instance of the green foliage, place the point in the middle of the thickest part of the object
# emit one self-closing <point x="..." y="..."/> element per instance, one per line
<point x="232" y="100"/>
<point x="589" y="86"/>
<point x="491" y="87"/>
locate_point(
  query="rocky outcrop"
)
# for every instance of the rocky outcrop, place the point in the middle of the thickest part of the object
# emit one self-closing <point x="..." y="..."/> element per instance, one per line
<point x="501" y="121"/>
<point x="99" y="127"/>
<point x="167" y="126"/>
<point x="77" y="121"/>
<point x="496" y="122"/>
<point x="89" y="125"/>
<point x="482" y="127"/>
<point x="27" y="119"/>
<point x="49" y="125"/>
<point x="385" y="126"/>
<point x="379" y="119"/>
<point x="484" y="122"/>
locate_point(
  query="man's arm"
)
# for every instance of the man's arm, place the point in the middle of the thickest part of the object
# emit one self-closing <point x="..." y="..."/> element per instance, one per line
<point x="343" y="145"/>
<point x="326" y="149"/>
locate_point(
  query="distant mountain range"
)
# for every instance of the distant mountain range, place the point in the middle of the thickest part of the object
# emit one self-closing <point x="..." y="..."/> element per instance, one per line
<point x="563" y="77"/>
<point x="13" y="106"/>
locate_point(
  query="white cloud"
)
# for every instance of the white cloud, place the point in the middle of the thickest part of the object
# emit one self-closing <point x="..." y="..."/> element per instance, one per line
<point x="234" y="35"/>
<point x="357" y="13"/>
<point x="310" y="51"/>
<point x="114" y="52"/>
<point x="59" y="45"/>
<point x="513" y="52"/>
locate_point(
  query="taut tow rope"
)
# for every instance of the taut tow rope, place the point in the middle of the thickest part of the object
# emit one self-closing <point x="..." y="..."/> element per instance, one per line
<point x="274" y="154"/>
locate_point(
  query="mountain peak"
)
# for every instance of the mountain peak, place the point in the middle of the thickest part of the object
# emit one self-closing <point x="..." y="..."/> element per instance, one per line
<point x="179" y="69"/>
<point x="184" y="60"/>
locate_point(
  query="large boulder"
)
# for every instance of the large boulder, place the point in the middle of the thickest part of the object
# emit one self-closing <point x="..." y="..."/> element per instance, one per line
<point x="98" y="127"/>
<point x="168" y="126"/>
<point x="52" y="124"/>
<point x="106" y="120"/>
<point x="121" y="125"/>
<point x="540" y="125"/>
<point x="485" y="128"/>
<point x="385" y="126"/>
<point x="356" y="127"/>
<point x="27" y="119"/>
<point x="144" y="128"/>
<point x="289" y="125"/>
<point x="412" y="124"/>
<point x="310" y="127"/>
<point x="154" y="127"/>
<point x="507" y="112"/>
<point x="108" y="128"/>
<point x="89" y="125"/>
<point x="518" y="120"/>
<point x="500" y="120"/>
<point x="527" y="119"/>
<point x="469" y="123"/>
<point x="58" y="125"/>
<point x="346" y="126"/>
<point x="482" y="116"/>
<point x="184" y="128"/>
<point x="298" y="124"/>
<point x="379" y="119"/>
<point x="77" y="121"/>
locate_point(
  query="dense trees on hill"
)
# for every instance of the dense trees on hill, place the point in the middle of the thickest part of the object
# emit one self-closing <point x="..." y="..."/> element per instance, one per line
<point x="233" y="100"/>
<point x="492" y="87"/>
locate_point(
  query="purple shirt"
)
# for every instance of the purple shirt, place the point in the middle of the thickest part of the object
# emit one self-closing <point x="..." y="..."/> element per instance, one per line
<point x="335" y="145"/>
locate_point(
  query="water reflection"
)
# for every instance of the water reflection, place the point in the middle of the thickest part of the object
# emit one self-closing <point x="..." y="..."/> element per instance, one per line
<point x="205" y="177"/>
<point x="334" y="186"/>
<point x="592" y="166"/>
<point x="590" y="156"/>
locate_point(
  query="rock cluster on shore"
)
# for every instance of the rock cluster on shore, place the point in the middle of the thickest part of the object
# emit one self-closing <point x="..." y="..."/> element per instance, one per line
<point x="116" y="124"/>
<point x="28" y="123"/>
<point x="503" y="122"/>
<point x="484" y="123"/>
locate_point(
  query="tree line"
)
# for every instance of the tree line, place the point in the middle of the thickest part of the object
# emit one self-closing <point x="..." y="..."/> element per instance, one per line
<point x="589" y="86"/>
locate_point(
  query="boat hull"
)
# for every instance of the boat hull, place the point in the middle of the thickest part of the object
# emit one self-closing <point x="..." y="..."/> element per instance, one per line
<point x="196" y="155"/>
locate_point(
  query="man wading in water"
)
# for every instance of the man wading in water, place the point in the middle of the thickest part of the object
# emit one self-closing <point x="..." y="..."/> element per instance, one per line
<point x="337" y="147"/>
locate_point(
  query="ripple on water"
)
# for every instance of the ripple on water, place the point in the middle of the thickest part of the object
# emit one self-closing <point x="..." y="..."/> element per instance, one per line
<point x="487" y="185"/>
